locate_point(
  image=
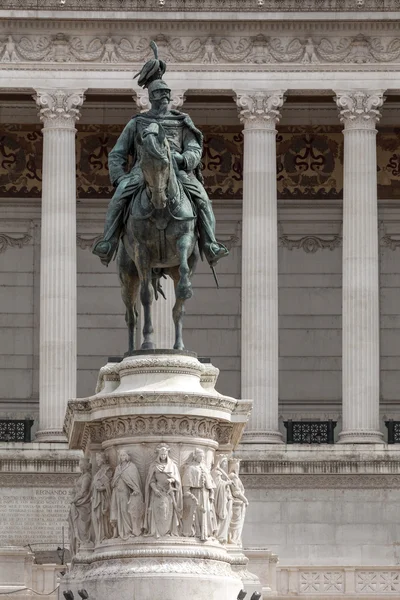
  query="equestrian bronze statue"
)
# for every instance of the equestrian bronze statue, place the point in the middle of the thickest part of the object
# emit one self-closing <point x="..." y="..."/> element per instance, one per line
<point x="160" y="218"/>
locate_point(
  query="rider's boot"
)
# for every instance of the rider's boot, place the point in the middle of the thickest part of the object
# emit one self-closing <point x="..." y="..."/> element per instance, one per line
<point x="107" y="246"/>
<point x="106" y="249"/>
<point x="214" y="251"/>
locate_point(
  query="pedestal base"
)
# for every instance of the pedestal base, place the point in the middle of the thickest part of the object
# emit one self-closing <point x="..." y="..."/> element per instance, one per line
<point x="168" y="568"/>
<point x="163" y="482"/>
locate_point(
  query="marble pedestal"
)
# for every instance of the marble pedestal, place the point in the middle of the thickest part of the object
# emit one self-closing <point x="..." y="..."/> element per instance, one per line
<point x="147" y="401"/>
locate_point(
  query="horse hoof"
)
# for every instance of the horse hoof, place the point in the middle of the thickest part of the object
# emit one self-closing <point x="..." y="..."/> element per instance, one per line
<point x="184" y="292"/>
<point x="179" y="346"/>
<point x="148" y="346"/>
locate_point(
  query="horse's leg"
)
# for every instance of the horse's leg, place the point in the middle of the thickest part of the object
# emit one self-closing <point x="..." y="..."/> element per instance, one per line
<point x="184" y="286"/>
<point x="146" y="295"/>
<point x="178" y="311"/>
<point x="129" y="280"/>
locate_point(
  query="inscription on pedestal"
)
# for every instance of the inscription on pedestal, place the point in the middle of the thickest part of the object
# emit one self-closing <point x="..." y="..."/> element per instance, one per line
<point x="34" y="516"/>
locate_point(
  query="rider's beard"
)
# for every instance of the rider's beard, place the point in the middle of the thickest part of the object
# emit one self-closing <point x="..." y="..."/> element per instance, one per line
<point x="161" y="107"/>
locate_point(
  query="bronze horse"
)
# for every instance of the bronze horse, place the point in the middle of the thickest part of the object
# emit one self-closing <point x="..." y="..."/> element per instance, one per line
<point x="159" y="238"/>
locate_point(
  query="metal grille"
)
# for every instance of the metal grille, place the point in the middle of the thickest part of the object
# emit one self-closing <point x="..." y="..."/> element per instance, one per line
<point x="15" y="431"/>
<point x="393" y="428"/>
<point x="310" y="432"/>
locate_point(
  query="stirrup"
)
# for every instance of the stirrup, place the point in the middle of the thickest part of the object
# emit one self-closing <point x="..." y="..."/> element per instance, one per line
<point x="104" y="250"/>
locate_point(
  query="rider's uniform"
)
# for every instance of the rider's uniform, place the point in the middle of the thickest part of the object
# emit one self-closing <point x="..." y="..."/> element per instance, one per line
<point x="183" y="138"/>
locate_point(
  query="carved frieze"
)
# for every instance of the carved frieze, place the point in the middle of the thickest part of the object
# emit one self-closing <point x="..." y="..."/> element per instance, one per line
<point x="205" y="50"/>
<point x="161" y="425"/>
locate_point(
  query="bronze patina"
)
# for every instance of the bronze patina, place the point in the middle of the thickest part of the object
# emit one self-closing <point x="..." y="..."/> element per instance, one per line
<point x="160" y="218"/>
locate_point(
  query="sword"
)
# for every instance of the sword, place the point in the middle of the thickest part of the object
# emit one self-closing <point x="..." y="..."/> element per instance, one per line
<point x="215" y="276"/>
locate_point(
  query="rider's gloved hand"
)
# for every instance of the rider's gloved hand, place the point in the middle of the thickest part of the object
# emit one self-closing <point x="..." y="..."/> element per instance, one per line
<point x="180" y="161"/>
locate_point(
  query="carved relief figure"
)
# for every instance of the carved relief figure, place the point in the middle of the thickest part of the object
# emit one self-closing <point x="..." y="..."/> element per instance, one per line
<point x="127" y="505"/>
<point x="163" y="496"/>
<point x="198" y="498"/>
<point x="239" y="505"/>
<point x="79" y="521"/>
<point x="101" y="499"/>
<point x="223" y="497"/>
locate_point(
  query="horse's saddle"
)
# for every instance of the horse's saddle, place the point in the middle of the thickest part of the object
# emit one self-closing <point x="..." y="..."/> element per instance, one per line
<point x="179" y="209"/>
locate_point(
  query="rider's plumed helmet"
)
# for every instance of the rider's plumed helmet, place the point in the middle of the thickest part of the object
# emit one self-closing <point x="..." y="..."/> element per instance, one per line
<point x="157" y="84"/>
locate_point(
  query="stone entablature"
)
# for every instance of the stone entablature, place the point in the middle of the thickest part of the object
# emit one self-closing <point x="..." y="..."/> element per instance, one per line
<point x="321" y="467"/>
<point x="254" y="6"/>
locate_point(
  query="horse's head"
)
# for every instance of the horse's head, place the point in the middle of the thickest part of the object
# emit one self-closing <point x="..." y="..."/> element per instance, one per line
<point x="155" y="163"/>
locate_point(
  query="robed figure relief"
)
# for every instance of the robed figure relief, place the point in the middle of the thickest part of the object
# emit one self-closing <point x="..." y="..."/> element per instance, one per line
<point x="79" y="519"/>
<point x="101" y="499"/>
<point x="198" y="498"/>
<point x="239" y="504"/>
<point x="223" y="497"/>
<point x="127" y="504"/>
<point x="163" y="496"/>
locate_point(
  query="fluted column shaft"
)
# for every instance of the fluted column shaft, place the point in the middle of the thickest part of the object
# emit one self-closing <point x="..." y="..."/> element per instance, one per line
<point x="360" y="300"/>
<point x="58" y="109"/>
<point x="164" y="328"/>
<point x="259" y="112"/>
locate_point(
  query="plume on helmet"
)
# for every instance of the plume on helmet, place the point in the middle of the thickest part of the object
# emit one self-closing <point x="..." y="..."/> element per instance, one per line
<point x="153" y="69"/>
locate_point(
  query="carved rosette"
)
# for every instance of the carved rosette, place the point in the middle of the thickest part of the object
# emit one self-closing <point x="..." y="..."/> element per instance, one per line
<point x="59" y="109"/>
<point x="260" y="110"/>
<point x="360" y="109"/>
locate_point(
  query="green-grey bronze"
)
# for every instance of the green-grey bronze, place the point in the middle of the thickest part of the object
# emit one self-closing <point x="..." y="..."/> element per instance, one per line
<point x="160" y="217"/>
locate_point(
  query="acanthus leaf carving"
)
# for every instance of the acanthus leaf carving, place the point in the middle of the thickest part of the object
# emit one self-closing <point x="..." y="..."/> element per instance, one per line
<point x="359" y="108"/>
<point x="59" y="108"/>
<point x="260" y="108"/>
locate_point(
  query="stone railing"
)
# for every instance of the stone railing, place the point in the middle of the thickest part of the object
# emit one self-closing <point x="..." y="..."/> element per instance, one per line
<point x="324" y="582"/>
<point x="206" y="5"/>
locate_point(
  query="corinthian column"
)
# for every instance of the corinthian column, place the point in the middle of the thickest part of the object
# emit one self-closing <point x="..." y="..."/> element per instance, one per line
<point x="58" y="110"/>
<point x="164" y="329"/>
<point x="359" y="111"/>
<point x="259" y="112"/>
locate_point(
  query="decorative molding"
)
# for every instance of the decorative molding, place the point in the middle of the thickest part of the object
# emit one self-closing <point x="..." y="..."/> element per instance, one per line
<point x="14" y="241"/>
<point x="87" y="242"/>
<point x="338" y="582"/>
<point x="327" y="481"/>
<point x="322" y="582"/>
<point x="235" y="238"/>
<point x="388" y="241"/>
<point x="59" y="108"/>
<point x="256" y="6"/>
<point x="259" y="109"/>
<point x="160" y="425"/>
<point x="206" y="50"/>
<point x="309" y="243"/>
<point x="23" y="479"/>
<point x="360" y="109"/>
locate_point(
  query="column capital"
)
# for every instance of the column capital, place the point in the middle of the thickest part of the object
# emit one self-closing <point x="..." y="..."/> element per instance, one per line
<point x="359" y="109"/>
<point x="260" y="109"/>
<point x="59" y="108"/>
<point x="143" y="103"/>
